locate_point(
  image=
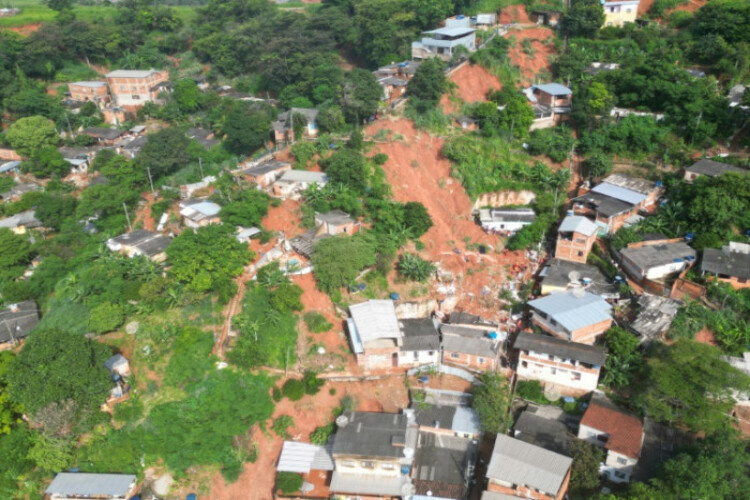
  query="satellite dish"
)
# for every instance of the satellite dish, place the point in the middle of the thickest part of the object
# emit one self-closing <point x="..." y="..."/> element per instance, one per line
<point x="574" y="276"/>
<point x="342" y="421"/>
<point x="579" y="292"/>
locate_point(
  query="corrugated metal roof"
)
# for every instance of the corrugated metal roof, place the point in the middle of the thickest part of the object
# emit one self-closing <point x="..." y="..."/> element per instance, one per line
<point x="620" y="193"/>
<point x="304" y="457"/>
<point x="574" y="311"/>
<point x="303" y="176"/>
<point x="521" y="463"/>
<point x="452" y="32"/>
<point x="83" y="484"/>
<point x="554" y="89"/>
<point x="594" y="355"/>
<point x="375" y="319"/>
<point x="465" y="420"/>
<point x="577" y="224"/>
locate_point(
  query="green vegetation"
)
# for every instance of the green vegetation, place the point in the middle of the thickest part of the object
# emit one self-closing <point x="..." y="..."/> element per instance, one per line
<point x="413" y="267"/>
<point x="584" y="473"/>
<point x="316" y="322"/>
<point x="281" y="425"/>
<point x="624" y="361"/>
<point x="492" y="403"/>
<point x="288" y="482"/>
<point x="293" y="389"/>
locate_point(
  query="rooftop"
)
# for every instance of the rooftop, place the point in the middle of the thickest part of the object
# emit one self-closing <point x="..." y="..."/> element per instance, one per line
<point x="593" y="355"/>
<point x="577" y="224"/>
<point x="604" y="204"/>
<point x="148" y="243"/>
<point x="619" y="193"/>
<point x="365" y="434"/>
<point x="464" y="318"/>
<point x="632" y="183"/>
<point x="655" y="316"/>
<point x="103" y="133"/>
<point x="81" y="484"/>
<point x="304" y="457"/>
<point x="335" y="217"/>
<point x="92" y="84"/>
<point x="713" y="168"/>
<point x="198" y="209"/>
<point x="23" y="219"/>
<point x="660" y="254"/>
<point x="265" y="168"/>
<point x="131" y="73"/>
<point x="303" y="176"/>
<point x="451" y="32"/>
<point x="517" y="462"/>
<point x="17" y="320"/>
<point x="375" y="319"/>
<point x="574" y="309"/>
<point x="442" y="464"/>
<point x="368" y="484"/>
<point x="555" y="89"/>
<point x="727" y="262"/>
<point x="469" y="341"/>
<point x="460" y="419"/>
<point x="506" y="215"/>
<point x="625" y="430"/>
<point x="561" y="273"/>
<point x="549" y="434"/>
<point x="419" y="335"/>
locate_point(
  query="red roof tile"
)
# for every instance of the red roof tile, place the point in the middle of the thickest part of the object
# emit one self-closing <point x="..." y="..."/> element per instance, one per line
<point x="625" y="431"/>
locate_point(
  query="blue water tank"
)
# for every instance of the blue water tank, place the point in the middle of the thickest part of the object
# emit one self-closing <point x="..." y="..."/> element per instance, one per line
<point x="362" y="286"/>
<point x="460" y="16"/>
<point x="689" y="236"/>
<point x="658" y="184"/>
<point x="394" y="296"/>
<point x="405" y="469"/>
<point x="492" y="335"/>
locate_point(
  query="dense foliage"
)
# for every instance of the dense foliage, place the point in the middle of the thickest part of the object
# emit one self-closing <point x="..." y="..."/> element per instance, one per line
<point x="491" y="401"/>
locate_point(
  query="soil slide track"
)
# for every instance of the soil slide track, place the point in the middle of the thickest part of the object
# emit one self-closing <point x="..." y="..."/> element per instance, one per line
<point x="473" y="83"/>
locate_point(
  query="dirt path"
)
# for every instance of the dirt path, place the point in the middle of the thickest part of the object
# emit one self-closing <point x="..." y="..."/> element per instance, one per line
<point x="144" y="215"/>
<point x="232" y="309"/>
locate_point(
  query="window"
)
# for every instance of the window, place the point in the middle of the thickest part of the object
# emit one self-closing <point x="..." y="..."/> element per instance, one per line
<point x="481" y="361"/>
<point x="123" y="87"/>
<point x="524" y="364"/>
<point x="416" y="355"/>
<point x="431" y="353"/>
<point x="386" y="466"/>
<point x="576" y="376"/>
<point x="622" y="461"/>
<point x="135" y="97"/>
<point x="551" y="357"/>
<point x="367" y="465"/>
<point x="553" y="370"/>
<point x="347" y="463"/>
<point x="580" y="254"/>
<point x="620" y="475"/>
<point x="455" y="355"/>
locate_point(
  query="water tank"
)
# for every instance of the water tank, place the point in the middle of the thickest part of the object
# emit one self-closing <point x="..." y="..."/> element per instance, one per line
<point x="460" y="16"/>
<point x="394" y="296"/>
<point x="658" y="184"/>
<point x="492" y="335"/>
<point x="689" y="236"/>
<point x="342" y="421"/>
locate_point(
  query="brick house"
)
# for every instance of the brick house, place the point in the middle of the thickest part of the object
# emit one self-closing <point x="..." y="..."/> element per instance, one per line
<point x="265" y="173"/>
<point x="730" y="265"/>
<point x="570" y="367"/>
<point x="130" y="89"/>
<point x="89" y="91"/>
<point x="471" y="348"/>
<point x="521" y="469"/>
<point x="619" y="432"/>
<point x="620" y="12"/>
<point x="559" y="275"/>
<point x="575" y="237"/>
<point x="575" y="315"/>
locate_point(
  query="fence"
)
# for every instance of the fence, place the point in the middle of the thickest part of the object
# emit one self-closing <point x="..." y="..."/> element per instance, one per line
<point x="447" y="370"/>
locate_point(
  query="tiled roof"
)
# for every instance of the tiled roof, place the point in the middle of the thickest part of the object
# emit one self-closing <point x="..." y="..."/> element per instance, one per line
<point x="625" y="430"/>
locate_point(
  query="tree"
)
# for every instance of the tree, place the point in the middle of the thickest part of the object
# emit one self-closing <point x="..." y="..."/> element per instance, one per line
<point x="492" y="402"/>
<point x="164" y="153"/>
<point x="360" y="95"/>
<point x="248" y="211"/>
<point x="51" y="454"/>
<point x="624" y="361"/>
<point x="247" y="128"/>
<point x="105" y="317"/>
<point x="15" y="250"/>
<point x="53" y="209"/>
<point x="416" y="219"/>
<point x="288" y="482"/>
<point x="187" y="95"/>
<point x="348" y="167"/>
<point x="583" y="18"/>
<point x="59" y="5"/>
<point x="330" y="118"/>
<point x="54" y="366"/>
<point x="584" y="473"/>
<point x="428" y="82"/>
<point x="688" y="383"/>
<point x="10" y="410"/>
<point x="340" y="259"/>
<point x="413" y="267"/>
<point x="29" y="135"/>
<point x="597" y="165"/>
<point x="47" y="162"/>
<point x="207" y="258"/>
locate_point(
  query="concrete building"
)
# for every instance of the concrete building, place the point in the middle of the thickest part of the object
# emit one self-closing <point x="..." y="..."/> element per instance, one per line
<point x="506" y="221"/>
<point x="619" y="432"/>
<point x="141" y="242"/>
<point x="552" y="435"/>
<point x="575" y="237"/>
<point x="730" y="265"/>
<point x="444" y="466"/>
<point x="710" y="168"/>
<point x="570" y="367"/>
<point x="443" y="43"/>
<point x="560" y="275"/>
<point x="197" y="212"/>
<point x="472" y="348"/>
<point x="292" y="183"/>
<point x="520" y="469"/>
<point x="450" y="420"/>
<point x="17" y="321"/>
<point x="576" y="315"/>
<point x="336" y="222"/>
<point x="130" y="89"/>
<point x="283" y="126"/>
<point x="620" y="13"/>
<point x="655" y="316"/>
<point x="552" y="103"/>
<point x="314" y="463"/>
<point x="82" y="485"/>
<point x="21" y="222"/>
<point x="265" y="173"/>
<point x="656" y="260"/>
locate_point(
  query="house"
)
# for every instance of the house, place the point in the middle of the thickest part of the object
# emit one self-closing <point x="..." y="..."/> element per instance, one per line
<point x="620" y="433"/>
<point x="421" y="342"/>
<point x="89" y="91"/>
<point x="13" y="167"/>
<point x="198" y="212"/>
<point x="82" y="485"/>
<point x="710" y="168"/>
<point x="549" y="18"/>
<point x="9" y="154"/>
<point x="118" y="365"/>
<point x="575" y="315"/>
<point x="130" y="89"/>
<point x="394" y="88"/>
<point x="575" y="237"/>
<point x="467" y="123"/>
<point x="188" y="190"/>
<point x="16" y="322"/>
<point x="741" y="409"/>
<point x="16" y="192"/>
<point x="264" y="174"/>
<point x="245" y="234"/>
<point x="283" y="126"/>
<point x="552" y="435"/>
<point x="373" y="454"/>
<point x="21" y="222"/>
<point x="600" y="67"/>
<point x="654" y="318"/>
<point x="203" y="137"/>
<point x="130" y="146"/>
<point x="443" y="42"/>
<point x="730" y="265"/>
<point x="141" y="242"/>
<point x="444" y="466"/>
<point x="449" y="420"/>
<point x="468" y="320"/>
<point x="104" y="136"/>
<point x="81" y="153"/>
<point x="552" y="103"/>
<point x="620" y="12"/>
<point x="292" y="183"/>
<point x="506" y="221"/>
<point x="559" y="275"/>
<point x="521" y="469"/>
<point x="404" y="70"/>
<point x="336" y="222"/>
<point x="472" y="348"/>
<point x="570" y="367"/>
<point x="656" y="260"/>
<point x="314" y="463"/>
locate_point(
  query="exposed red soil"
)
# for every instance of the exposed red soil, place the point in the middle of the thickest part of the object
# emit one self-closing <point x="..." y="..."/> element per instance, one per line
<point x="514" y="14"/>
<point x="706" y="336"/>
<point x="473" y="82"/>
<point x="284" y="218"/>
<point x="24" y="30"/>
<point x="143" y="214"/>
<point x="257" y="480"/>
<point x="532" y="65"/>
<point x="690" y="6"/>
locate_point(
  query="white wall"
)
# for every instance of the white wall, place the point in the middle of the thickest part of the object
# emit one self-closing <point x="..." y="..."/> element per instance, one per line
<point x="536" y="369"/>
<point x="407" y="358"/>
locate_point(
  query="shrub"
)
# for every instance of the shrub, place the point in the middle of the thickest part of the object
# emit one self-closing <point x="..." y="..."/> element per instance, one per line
<point x="532" y="391"/>
<point x="276" y="394"/>
<point x="320" y="435"/>
<point x="293" y="389"/>
<point x="288" y="482"/>
<point x="413" y="267"/>
<point x="316" y="322"/>
<point x="106" y="317"/>
<point x="281" y="425"/>
<point x="312" y="382"/>
<point x="380" y="158"/>
<point x="332" y="391"/>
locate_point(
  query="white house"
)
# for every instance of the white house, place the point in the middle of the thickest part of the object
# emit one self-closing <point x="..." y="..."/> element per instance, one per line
<point x="443" y="42"/>
<point x="293" y="182"/>
<point x="655" y="260"/>
<point x="505" y="220"/>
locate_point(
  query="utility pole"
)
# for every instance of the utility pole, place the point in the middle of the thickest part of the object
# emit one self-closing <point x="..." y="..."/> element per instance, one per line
<point x="151" y="181"/>
<point x="200" y="165"/>
<point x="127" y="216"/>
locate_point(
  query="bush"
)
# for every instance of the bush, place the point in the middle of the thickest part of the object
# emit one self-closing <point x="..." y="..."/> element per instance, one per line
<point x="293" y="389"/>
<point x="281" y="425"/>
<point x="555" y="143"/>
<point x="380" y="158"/>
<point x="288" y="482"/>
<point x="316" y="322"/>
<point x="276" y="394"/>
<point x="413" y="267"/>
<point x="531" y="390"/>
<point x="312" y="383"/>
<point x="320" y="435"/>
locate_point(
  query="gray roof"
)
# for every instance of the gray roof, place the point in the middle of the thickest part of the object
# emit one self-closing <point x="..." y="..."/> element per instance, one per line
<point x="283" y="121"/>
<point x="335" y="217"/>
<point x="8" y="166"/>
<point x="116" y="361"/>
<point x="713" y="168"/>
<point x="619" y="193"/>
<point x="375" y="319"/>
<point x="148" y="243"/>
<point x="103" y="133"/>
<point x="521" y="463"/>
<point x="494" y="495"/>
<point x="604" y="204"/>
<point x="557" y="273"/>
<point x="93" y="84"/>
<point x="451" y="32"/>
<point x="369" y="484"/>
<point x="437" y="416"/>
<point x="16" y="322"/>
<point x="304" y="457"/>
<point x="464" y="318"/>
<point x="593" y="355"/>
<point x="554" y="89"/>
<point x="304" y="244"/>
<point x="574" y="310"/>
<point x="264" y="168"/>
<point x="393" y="80"/>
<point x="726" y="262"/>
<point x="441" y="463"/>
<point x="303" y="176"/>
<point x="649" y="256"/>
<point x="420" y="334"/>
<point x="81" y="484"/>
<point x="26" y="219"/>
<point x="479" y="345"/>
<point x="577" y="224"/>
<point x="135" y="144"/>
<point x="131" y="73"/>
<point x="632" y="183"/>
<point x="550" y="434"/>
<point x="374" y="435"/>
